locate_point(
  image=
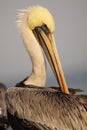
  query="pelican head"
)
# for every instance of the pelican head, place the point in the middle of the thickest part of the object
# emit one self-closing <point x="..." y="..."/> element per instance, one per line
<point x="40" y="24"/>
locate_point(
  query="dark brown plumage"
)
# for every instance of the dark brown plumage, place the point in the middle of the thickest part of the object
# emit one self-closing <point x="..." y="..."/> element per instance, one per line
<point x="3" y="112"/>
<point x="45" y="109"/>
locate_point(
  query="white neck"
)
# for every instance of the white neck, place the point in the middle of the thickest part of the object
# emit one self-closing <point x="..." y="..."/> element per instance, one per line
<point x="38" y="75"/>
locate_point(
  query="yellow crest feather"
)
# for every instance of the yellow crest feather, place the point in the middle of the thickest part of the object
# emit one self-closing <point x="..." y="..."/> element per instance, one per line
<point x="36" y="16"/>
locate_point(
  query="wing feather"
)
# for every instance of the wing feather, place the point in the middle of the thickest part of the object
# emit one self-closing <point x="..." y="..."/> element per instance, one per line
<point x="47" y="108"/>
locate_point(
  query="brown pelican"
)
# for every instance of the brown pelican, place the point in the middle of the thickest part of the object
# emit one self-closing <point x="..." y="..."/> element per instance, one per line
<point x="3" y="113"/>
<point x="36" y="107"/>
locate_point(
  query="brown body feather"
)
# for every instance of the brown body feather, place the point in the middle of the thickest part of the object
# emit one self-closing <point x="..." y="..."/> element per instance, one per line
<point x="45" y="109"/>
<point x="3" y="111"/>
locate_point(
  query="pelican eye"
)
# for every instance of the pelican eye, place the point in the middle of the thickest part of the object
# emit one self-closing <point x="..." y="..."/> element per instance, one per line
<point x="43" y="28"/>
<point x="37" y="33"/>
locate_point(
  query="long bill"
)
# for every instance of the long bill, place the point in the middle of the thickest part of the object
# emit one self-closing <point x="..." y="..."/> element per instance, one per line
<point x="47" y="42"/>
